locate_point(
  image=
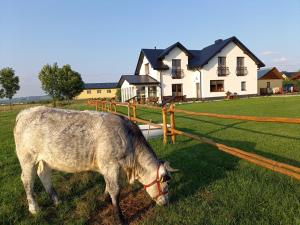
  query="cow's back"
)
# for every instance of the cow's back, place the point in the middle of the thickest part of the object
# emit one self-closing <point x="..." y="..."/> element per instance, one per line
<point x="68" y="140"/>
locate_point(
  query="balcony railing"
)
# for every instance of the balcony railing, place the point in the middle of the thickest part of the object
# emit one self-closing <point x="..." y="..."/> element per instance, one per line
<point x="241" y="71"/>
<point x="223" y="71"/>
<point x="177" y="73"/>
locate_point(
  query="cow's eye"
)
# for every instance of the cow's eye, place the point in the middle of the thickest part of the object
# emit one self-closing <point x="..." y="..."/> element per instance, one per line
<point x="165" y="178"/>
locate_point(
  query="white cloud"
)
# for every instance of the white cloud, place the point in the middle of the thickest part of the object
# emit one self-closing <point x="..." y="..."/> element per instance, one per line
<point x="281" y="59"/>
<point x="269" y="53"/>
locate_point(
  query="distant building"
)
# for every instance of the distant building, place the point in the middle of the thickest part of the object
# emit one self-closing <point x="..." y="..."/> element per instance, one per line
<point x="269" y="81"/>
<point x="180" y="73"/>
<point x="291" y="75"/>
<point x="98" y="90"/>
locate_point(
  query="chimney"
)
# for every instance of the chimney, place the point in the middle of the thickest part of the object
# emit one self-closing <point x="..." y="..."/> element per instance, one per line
<point x="218" y="41"/>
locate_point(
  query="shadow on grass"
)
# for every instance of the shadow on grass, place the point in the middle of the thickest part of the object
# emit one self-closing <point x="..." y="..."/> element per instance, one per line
<point x="225" y="126"/>
<point x="199" y="165"/>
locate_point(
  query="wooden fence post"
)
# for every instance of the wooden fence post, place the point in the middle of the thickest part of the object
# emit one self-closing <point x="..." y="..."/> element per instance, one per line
<point x="110" y="107"/>
<point x="134" y="110"/>
<point x="128" y="108"/>
<point x="172" y="122"/>
<point x="115" y="106"/>
<point x="96" y="105"/>
<point x="165" y="127"/>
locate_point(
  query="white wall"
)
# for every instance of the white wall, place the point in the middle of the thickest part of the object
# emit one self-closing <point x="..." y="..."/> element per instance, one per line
<point x="153" y="73"/>
<point x="232" y="82"/>
<point x="189" y="79"/>
<point x="127" y="91"/>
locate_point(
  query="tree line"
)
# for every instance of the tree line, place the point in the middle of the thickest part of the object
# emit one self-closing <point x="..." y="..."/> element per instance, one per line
<point x="61" y="83"/>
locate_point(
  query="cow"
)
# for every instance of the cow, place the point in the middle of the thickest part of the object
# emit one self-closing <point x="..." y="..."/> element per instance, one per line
<point x="74" y="141"/>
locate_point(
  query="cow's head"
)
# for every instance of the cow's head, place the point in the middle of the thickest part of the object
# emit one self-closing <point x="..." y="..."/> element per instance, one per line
<point x="157" y="188"/>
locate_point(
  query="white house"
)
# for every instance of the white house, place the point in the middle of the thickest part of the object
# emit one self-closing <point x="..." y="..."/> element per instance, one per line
<point x="226" y="65"/>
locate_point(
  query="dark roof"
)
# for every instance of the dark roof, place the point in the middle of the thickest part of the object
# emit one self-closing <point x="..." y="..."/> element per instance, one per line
<point x="177" y="44"/>
<point x="100" y="85"/>
<point x="152" y="55"/>
<point x="262" y="72"/>
<point x="197" y="58"/>
<point x="289" y="74"/>
<point x="137" y="79"/>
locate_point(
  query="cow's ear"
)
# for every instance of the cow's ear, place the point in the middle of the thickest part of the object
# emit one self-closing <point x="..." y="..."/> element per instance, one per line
<point x="169" y="168"/>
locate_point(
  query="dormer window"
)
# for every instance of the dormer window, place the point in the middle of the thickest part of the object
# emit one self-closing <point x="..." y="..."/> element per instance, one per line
<point x="241" y="70"/>
<point x="222" y="69"/>
<point x="147" y="71"/>
<point x="176" y="69"/>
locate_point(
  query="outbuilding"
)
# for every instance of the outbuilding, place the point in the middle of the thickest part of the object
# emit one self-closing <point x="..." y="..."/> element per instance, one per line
<point x="269" y="81"/>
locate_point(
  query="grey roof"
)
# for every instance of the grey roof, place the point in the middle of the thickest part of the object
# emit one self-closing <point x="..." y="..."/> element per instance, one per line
<point x="197" y="58"/>
<point x="167" y="50"/>
<point x="137" y="79"/>
<point x="262" y="72"/>
<point x="100" y="85"/>
<point x="289" y="74"/>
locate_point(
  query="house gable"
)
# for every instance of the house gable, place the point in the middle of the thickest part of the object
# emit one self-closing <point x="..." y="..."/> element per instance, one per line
<point x="196" y="58"/>
<point x="270" y="74"/>
<point x="202" y="57"/>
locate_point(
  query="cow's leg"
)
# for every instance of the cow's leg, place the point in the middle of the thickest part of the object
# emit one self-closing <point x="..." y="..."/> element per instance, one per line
<point x="113" y="188"/>
<point x="27" y="177"/>
<point x="106" y="195"/>
<point x="44" y="173"/>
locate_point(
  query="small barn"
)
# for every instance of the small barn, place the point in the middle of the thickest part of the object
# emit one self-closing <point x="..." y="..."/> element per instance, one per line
<point x="269" y="81"/>
<point x="98" y="90"/>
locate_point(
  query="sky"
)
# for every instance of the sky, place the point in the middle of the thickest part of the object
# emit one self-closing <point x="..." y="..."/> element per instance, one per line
<point x="102" y="39"/>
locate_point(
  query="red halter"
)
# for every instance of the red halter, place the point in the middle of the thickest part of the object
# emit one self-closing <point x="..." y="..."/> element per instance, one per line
<point x="157" y="182"/>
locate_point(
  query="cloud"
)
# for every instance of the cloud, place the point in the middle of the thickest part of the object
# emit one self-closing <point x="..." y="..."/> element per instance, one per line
<point x="281" y="59"/>
<point x="269" y="53"/>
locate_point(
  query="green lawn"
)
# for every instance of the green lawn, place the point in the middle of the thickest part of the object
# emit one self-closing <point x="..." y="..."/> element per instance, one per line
<point x="211" y="187"/>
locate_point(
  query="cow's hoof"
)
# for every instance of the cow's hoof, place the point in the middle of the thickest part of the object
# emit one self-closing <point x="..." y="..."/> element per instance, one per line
<point x="57" y="202"/>
<point x="119" y="221"/>
<point x="33" y="209"/>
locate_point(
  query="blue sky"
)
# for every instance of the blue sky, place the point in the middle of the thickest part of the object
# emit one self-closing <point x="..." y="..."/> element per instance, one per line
<point x="102" y="39"/>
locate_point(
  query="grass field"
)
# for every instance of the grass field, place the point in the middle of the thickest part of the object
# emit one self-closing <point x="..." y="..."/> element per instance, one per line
<point x="211" y="187"/>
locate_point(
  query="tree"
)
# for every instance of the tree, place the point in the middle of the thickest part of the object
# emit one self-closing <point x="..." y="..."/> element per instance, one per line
<point x="60" y="83"/>
<point x="9" y="83"/>
<point x="51" y="82"/>
<point x="118" y="94"/>
<point x="71" y="82"/>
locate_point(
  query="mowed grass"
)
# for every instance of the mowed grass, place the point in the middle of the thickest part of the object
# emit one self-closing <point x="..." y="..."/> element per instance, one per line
<point x="211" y="187"/>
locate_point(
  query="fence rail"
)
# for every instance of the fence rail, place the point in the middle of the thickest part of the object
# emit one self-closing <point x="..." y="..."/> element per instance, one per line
<point x="261" y="161"/>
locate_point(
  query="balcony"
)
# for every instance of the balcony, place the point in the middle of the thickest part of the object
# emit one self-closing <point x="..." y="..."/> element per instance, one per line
<point x="223" y="71"/>
<point x="177" y="73"/>
<point x="241" y="71"/>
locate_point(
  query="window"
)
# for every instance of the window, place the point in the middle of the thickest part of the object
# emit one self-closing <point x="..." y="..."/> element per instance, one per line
<point x="268" y="85"/>
<point x="88" y="92"/>
<point x="98" y="91"/>
<point x="141" y="91"/>
<point x="152" y="91"/>
<point x="241" y="70"/>
<point x="176" y="63"/>
<point x="222" y="69"/>
<point x="176" y="69"/>
<point x="243" y="86"/>
<point x="216" y="85"/>
<point x="222" y="61"/>
<point x="147" y="69"/>
<point x="108" y="91"/>
<point x="177" y="90"/>
<point x="240" y="61"/>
